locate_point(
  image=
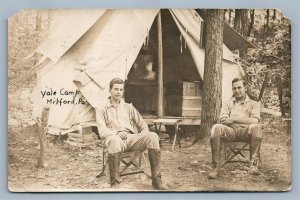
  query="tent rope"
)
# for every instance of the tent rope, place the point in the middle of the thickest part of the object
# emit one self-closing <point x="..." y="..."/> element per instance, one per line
<point x="22" y="76"/>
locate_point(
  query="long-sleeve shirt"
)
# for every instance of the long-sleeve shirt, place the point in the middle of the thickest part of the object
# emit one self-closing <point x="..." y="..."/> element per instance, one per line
<point x="246" y="109"/>
<point x="120" y="117"/>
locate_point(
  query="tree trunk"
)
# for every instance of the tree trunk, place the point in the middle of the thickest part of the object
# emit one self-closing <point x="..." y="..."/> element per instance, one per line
<point x="212" y="82"/>
<point x="237" y="20"/>
<point x="263" y="86"/>
<point x="241" y="24"/>
<point x="38" y="28"/>
<point x="279" y="91"/>
<point x="229" y="18"/>
<point x="268" y="18"/>
<point x="252" y="12"/>
<point x="266" y="27"/>
<point x="274" y="14"/>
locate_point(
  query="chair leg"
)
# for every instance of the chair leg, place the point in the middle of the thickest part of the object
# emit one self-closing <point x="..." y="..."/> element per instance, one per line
<point x="158" y="130"/>
<point x="145" y="163"/>
<point x="176" y="137"/>
<point x="177" y="132"/>
<point x="230" y="157"/>
<point x="136" y="161"/>
<point x="174" y="141"/>
<point x="234" y="151"/>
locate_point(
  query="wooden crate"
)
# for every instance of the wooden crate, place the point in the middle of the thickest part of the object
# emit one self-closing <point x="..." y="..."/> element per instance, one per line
<point x="184" y="88"/>
<point x="83" y="138"/>
<point x="184" y="106"/>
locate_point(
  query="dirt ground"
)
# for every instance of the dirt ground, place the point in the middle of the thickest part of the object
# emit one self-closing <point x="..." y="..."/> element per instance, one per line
<point x="74" y="169"/>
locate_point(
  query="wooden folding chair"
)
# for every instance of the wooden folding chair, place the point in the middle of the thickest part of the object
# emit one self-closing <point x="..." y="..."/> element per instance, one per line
<point x="132" y="163"/>
<point x="238" y="152"/>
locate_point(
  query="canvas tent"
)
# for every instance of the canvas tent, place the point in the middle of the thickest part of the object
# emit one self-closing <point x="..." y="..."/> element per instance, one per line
<point x="85" y="49"/>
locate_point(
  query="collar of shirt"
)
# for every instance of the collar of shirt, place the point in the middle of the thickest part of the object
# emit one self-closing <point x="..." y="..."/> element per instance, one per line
<point x="109" y="104"/>
<point x="245" y="101"/>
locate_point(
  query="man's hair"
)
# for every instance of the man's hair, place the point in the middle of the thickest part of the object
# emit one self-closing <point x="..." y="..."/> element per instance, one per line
<point x="115" y="81"/>
<point x="237" y="80"/>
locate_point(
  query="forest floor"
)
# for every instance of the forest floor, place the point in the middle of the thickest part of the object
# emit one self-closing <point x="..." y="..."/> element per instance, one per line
<point x="74" y="169"/>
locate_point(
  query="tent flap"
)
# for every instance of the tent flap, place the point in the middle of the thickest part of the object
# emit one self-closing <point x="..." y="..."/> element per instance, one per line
<point x="234" y="40"/>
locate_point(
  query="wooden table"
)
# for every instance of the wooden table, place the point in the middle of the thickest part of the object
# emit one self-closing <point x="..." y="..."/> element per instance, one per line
<point x="166" y="121"/>
<point x="183" y="121"/>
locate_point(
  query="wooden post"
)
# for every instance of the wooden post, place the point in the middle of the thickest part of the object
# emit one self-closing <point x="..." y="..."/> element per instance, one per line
<point x="160" y="67"/>
<point x="42" y="135"/>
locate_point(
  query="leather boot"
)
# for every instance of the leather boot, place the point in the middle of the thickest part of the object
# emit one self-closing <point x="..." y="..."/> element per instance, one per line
<point x="254" y="155"/>
<point x="155" y="162"/>
<point x="215" y="143"/>
<point x="114" y="168"/>
<point x="254" y="146"/>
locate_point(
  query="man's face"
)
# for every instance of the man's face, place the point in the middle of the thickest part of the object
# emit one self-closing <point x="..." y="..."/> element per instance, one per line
<point x="239" y="90"/>
<point x="116" y="92"/>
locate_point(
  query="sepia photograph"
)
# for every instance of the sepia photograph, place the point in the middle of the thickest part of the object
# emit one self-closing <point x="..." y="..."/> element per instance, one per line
<point x="149" y="100"/>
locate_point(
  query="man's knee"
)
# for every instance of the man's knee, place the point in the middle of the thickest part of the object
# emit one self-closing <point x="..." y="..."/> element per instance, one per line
<point x="114" y="144"/>
<point x="255" y="130"/>
<point x="152" y="137"/>
<point x="217" y="130"/>
<point x="152" y="140"/>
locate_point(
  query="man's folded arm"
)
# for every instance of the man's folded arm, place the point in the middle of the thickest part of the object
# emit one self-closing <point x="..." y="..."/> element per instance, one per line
<point x="248" y="121"/>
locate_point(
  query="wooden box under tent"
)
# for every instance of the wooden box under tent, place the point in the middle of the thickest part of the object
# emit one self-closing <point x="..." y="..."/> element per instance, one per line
<point x="184" y="99"/>
<point x="184" y="106"/>
<point x="184" y="88"/>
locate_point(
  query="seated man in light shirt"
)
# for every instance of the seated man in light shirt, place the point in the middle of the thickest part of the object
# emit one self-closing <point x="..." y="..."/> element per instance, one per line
<point x="122" y="128"/>
<point x="239" y="118"/>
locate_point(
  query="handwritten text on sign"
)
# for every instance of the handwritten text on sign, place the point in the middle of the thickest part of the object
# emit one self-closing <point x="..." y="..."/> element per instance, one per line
<point x="65" y="97"/>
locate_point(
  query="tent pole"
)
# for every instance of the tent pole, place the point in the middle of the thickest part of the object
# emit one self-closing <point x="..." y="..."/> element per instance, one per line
<point x="160" y="67"/>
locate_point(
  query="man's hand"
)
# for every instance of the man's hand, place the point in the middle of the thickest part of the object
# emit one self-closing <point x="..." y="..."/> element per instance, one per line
<point x="122" y="135"/>
<point x="227" y="121"/>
